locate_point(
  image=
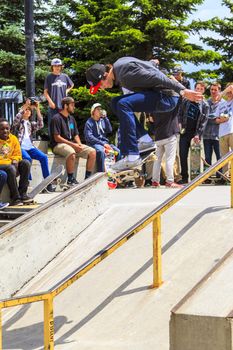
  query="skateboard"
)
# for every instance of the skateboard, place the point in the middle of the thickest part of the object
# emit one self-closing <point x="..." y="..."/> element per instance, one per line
<point x="195" y="160"/>
<point x="136" y="174"/>
<point x="110" y="159"/>
<point x="214" y="179"/>
<point x="53" y="176"/>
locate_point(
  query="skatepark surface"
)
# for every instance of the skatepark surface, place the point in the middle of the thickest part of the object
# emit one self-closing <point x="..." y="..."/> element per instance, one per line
<point x="113" y="306"/>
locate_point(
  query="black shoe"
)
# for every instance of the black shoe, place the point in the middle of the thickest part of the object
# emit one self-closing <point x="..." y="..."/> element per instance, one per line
<point x="26" y="199"/>
<point x="17" y="201"/>
<point x="183" y="181"/>
<point x="50" y="188"/>
<point x="72" y="182"/>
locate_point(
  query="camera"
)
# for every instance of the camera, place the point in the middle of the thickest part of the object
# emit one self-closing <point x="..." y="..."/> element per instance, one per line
<point x="34" y="100"/>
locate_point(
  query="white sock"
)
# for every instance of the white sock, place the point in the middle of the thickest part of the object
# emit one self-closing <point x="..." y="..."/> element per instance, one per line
<point x="132" y="157"/>
<point x="145" y="138"/>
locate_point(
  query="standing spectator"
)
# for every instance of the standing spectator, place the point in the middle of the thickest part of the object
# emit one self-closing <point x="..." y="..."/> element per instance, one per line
<point x="153" y="91"/>
<point x="12" y="163"/>
<point x="57" y="85"/>
<point x="3" y="180"/>
<point x="177" y="73"/>
<point x="24" y="128"/>
<point x="192" y="118"/>
<point x="96" y="129"/>
<point x="166" y="129"/>
<point x="211" y="130"/>
<point x="65" y="141"/>
<point x="224" y="115"/>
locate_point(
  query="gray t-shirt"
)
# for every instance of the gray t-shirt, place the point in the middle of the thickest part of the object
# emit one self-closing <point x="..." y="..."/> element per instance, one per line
<point x="57" y="86"/>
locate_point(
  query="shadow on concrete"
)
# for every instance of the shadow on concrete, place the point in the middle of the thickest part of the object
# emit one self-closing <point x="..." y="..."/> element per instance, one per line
<point x="21" y="338"/>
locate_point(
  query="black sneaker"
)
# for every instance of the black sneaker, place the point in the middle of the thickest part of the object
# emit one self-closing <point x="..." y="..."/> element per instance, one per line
<point x="26" y="199"/>
<point x="182" y="181"/>
<point x="50" y="188"/>
<point x="72" y="182"/>
<point x="17" y="201"/>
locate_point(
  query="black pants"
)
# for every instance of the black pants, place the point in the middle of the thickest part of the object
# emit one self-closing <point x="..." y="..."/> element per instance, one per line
<point x="24" y="171"/>
<point x="185" y="142"/>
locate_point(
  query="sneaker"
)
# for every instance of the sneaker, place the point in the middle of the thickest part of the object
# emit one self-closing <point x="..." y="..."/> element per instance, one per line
<point x="182" y="182"/>
<point x="173" y="185"/>
<point x="125" y="164"/>
<point x="3" y="205"/>
<point x="155" y="184"/>
<point x="72" y="182"/>
<point x="143" y="146"/>
<point x="50" y="188"/>
<point x="17" y="201"/>
<point x="26" y="199"/>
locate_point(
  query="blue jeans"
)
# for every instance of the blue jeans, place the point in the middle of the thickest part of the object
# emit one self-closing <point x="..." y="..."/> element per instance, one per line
<point x="3" y="179"/>
<point x="209" y="147"/>
<point x="185" y="142"/>
<point x="130" y="128"/>
<point x="100" y="156"/>
<point x="35" y="153"/>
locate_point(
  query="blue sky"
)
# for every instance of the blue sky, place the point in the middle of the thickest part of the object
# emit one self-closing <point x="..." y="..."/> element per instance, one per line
<point x="209" y="9"/>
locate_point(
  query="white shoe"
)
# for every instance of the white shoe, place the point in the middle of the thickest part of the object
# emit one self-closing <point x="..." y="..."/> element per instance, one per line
<point x="125" y="164"/>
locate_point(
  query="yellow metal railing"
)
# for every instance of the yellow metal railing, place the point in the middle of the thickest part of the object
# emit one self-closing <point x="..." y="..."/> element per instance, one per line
<point x="153" y="217"/>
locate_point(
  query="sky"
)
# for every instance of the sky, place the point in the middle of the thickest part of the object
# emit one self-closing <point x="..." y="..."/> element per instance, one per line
<point x="209" y="9"/>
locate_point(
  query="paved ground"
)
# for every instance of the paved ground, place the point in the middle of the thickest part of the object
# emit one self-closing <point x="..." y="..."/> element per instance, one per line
<point x="113" y="307"/>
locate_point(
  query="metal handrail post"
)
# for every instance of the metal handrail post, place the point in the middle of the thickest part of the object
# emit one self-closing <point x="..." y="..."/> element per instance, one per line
<point x="48" y="324"/>
<point x="157" y="252"/>
<point x="232" y="183"/>
<point x="0" y="328"/>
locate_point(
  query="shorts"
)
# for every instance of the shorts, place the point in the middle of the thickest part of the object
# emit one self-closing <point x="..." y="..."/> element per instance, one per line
<point x="64" y="150"/>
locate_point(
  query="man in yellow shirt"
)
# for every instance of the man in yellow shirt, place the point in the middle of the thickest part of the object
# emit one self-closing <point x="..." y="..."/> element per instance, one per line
<point x="12" y="163"/>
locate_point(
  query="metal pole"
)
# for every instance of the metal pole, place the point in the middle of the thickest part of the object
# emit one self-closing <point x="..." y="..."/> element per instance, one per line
<point x="157" y="253"/>
<point x="0" y="328"/>
<point x="48" y="324"/>
<point x="30" y="53"/>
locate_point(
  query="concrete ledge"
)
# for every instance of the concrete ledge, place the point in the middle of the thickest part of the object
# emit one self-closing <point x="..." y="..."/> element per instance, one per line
<point x="31" y="241"/>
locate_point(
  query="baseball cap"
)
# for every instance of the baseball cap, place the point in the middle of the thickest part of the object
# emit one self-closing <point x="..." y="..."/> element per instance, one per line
<point x="95" y="105"/>
<point x="94" y="75"/>
<point x="177" y="70"/>
<point x="56" y="62"/>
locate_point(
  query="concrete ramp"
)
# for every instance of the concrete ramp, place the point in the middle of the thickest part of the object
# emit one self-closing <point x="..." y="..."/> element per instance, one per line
<point x="113" y="307"/>
<point x="31" y="241"/>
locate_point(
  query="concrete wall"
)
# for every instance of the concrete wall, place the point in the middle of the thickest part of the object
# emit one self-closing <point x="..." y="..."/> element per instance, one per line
<point x="36" y="238"/>
<point x="192" y="332"/>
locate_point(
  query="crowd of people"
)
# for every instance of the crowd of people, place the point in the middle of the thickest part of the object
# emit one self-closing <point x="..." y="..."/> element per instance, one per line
<point x="177" y="114"/>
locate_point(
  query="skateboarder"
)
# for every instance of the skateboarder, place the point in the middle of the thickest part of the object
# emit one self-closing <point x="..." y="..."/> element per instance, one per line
<point x="192" y="118"/>
<point x="12" y="163"/>
<point x="96" y="129"/>
<point x="153" y="91"/>
<point x="65" y="141"/>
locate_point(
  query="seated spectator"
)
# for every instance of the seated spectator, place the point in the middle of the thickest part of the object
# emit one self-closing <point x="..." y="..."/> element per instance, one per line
<point x="24" y="128"/>
<point x="12" y="163"/>
<point x="95" y="131"/>
<point x="65" y="141"/>
<point x="3" y="180"/>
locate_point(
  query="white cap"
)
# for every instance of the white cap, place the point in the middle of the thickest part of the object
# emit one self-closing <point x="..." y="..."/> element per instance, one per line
<point x="56" y="62"/>
<point x="95" y="105"/>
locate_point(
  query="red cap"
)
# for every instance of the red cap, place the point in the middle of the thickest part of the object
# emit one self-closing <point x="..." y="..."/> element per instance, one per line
<point x="94" y="89"/>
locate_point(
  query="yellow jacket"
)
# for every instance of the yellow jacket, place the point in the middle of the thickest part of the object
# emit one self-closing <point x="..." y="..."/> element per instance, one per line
<point x="10" y="150"/>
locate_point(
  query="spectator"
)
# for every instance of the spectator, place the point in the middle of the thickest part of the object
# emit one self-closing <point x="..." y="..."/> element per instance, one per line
<point x="211" y="130"/>
<point x="224" y="118"/>
<point x="166" y="129"/>
<point x="24" y="128"/>
<point x="192" y="118"/>
<point x="3" y="180"/>
<point x="151" y="93"/>
<point x="57" y="85"/>
<point x="96" y="129"/>
<point x="65" y="141"/>
<point x="12" y="163"/>
<point x="177" y="73"/>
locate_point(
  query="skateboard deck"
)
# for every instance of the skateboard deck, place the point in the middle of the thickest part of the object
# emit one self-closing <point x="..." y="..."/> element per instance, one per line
<point x="195" y="160"/>
<point x="53" y="176"/>
<point x="136" y="174"/>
